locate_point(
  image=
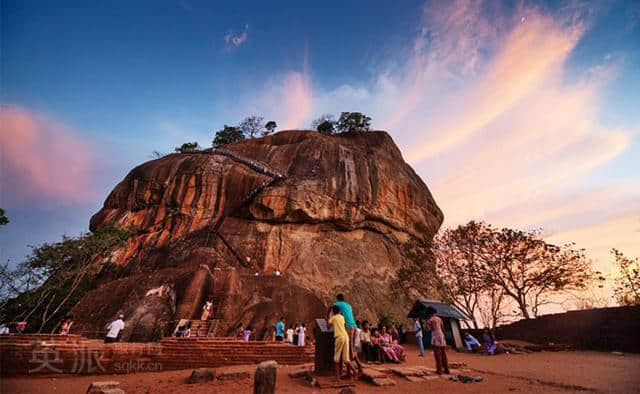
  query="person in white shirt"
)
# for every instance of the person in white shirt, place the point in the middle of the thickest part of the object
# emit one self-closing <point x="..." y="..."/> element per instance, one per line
<point x="4" y="329"/>
<point x="301" y="332"/>
<point x="357" y="344"/>
<point x="290" y="335"/>
<point x="113" y="330"/>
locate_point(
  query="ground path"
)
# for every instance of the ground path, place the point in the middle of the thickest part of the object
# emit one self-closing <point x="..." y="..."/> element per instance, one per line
<point x="544" y="372"/>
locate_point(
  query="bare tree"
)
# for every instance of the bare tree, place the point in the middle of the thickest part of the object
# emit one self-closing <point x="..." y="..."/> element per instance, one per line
<point x="627" y="290"/>
<point x="529" y="270"/>
<point x="252" y="126"/>
<point x="459" y="265"/>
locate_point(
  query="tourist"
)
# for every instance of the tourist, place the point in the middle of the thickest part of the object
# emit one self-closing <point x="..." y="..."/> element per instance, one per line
<point x="113" y="330"/>
<point x="403" y="334"/>
<point x="436" y="326"/>
<point x="289" y="338"/>
<point x="295" y="333"/>
<point x="393" y="330"/>
<point x="375" y="342"/>
<point x="20" y="326"/>
<point x="180" y="331"/>
<point x="471" y="343"/>
<point x="187" y="331"/>
<point x="206" y="308"/>
<point x="4" y="329"/>
<point x="247" y="334"/>
<point x="417" y="329"/>
<point x="302" y="330"/>
<point x="280" y="330"/>
<point x="386" y="344"/>
<point x="66" y="327"/>
<point x="365" y="342"/>
<point x="341" y="343"/>
<point x="357" y="342"/>
<point x="347" y="312"/>
<point x="489" y="342"/>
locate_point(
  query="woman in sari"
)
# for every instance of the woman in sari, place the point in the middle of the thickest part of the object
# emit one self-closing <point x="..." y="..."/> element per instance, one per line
<point x="397" y="349"/>
<point x="386" y="344"/>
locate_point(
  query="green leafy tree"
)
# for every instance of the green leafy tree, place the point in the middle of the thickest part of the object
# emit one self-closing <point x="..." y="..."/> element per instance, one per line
<point x="353" y="122"/>
<point x="55" y="276"/>
<point x="270" y="127"/>
<point x="627" y="290"/>
<point x="3" y="218"/>
<point x="228" y="135"/>
<point x="325" y="124"/>
<point x="327" y="127"/>
<point x="188" y="147"/>
<point x="252" y="126"/>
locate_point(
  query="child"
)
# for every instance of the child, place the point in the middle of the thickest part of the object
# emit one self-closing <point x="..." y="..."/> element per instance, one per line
<point x="290" y="334"/>
<point x="341" y="346"/>
<point x="246" y="334"/>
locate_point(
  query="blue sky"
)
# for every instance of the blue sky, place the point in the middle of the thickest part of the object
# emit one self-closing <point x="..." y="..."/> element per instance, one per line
<point x="523" y="115"/>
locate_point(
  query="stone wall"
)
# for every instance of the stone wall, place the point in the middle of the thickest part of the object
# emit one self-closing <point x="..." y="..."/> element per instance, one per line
<point x="31" y="354"/>
<point x="607" y="329"/>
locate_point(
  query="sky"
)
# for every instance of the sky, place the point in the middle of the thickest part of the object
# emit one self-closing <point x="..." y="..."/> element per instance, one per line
<point x="521" y="114"/>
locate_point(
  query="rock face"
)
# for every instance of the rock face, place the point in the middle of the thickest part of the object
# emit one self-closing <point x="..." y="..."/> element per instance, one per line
<point x="332" y="214"/>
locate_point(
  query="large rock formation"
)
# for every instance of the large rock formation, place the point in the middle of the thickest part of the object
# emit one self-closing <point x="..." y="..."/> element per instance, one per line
<point x="332" y="214"/>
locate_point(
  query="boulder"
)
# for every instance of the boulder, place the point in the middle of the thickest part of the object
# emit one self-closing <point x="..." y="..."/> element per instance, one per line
<point x="341" y="213"/>
<point x="201" y="375"/>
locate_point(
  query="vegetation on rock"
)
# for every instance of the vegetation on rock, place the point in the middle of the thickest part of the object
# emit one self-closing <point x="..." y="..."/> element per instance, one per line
<point x="3" y="218"/>
<point x="353" y="122"/>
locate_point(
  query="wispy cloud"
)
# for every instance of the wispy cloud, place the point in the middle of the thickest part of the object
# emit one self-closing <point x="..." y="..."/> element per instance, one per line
<point x="487" y="109"/>
<point x="43" y="160"/>
<point x="236" y="39"/>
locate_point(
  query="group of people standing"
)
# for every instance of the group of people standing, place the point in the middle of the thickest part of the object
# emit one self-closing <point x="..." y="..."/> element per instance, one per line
<point x="295" y="334"/>
<point x="377" y="343"/>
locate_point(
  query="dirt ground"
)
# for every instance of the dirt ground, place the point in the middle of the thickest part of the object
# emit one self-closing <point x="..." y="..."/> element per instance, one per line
<point x="545" y="372"/>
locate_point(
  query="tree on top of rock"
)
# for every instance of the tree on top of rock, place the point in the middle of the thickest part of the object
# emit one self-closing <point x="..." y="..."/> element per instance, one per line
<point x="3" y="218"/>
<point x="227" y="135"/>
<point x="252" y="126"/>
<point x="270" y="127"/>
<point x="188" y="147"/>
<point x="353" y="122"/>
<point x="324" y="124"/>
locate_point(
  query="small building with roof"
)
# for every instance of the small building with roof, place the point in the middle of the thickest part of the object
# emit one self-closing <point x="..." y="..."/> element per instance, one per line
<point x="450" y="315"/>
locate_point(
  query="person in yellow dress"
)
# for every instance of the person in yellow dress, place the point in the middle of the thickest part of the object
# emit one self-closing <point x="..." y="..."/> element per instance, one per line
<point x="341" y="346"/>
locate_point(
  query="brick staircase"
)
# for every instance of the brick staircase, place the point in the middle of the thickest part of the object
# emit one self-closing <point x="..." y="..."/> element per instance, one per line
<point x="47" y="354"/>
<point x="203" y="328"/>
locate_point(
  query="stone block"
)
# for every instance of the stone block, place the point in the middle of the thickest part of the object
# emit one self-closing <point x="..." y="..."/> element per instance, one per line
<point x="264" y="380"/>
<point x="102" y="387"/>
<point x="233" y="375"/>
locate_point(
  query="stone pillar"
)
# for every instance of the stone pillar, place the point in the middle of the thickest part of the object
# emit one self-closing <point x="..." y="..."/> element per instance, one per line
<point x="264" y="380"/>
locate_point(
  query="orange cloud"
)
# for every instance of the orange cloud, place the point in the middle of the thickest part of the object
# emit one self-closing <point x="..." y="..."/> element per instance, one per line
<point x="296" y="100"/>
<point x="42" y="160"/>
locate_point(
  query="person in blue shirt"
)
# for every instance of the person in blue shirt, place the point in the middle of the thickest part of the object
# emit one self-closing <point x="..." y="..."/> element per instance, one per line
<point x="280" y="330"/>
<point x="349" y="323"/>
<point x="471" y="343"/>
